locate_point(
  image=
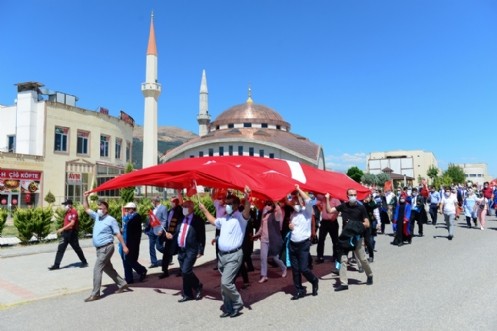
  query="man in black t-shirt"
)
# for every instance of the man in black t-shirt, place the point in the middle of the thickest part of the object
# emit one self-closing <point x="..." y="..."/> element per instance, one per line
<point x="352" y="211"/>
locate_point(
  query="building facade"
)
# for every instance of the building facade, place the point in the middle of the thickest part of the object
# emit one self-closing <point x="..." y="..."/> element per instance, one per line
<point x="410" y="163"/>
<point x="48" y="144"/>
<point x="477" y="173"/>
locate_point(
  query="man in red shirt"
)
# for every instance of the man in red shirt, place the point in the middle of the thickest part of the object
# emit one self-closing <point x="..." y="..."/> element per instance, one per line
<point x="69" y="235"/>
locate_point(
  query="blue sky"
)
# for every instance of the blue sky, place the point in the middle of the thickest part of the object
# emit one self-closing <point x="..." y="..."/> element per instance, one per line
<point x="354" y="76"/>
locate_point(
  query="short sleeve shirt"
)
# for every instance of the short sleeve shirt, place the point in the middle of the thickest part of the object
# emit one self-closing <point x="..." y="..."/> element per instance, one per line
<point x="232" y="231"/>
<point x="355" y="212"/>
<point x="104" y="229"/>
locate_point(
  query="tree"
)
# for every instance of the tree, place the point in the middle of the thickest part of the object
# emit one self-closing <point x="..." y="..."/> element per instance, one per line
<point x="369" y="179"/>
<point x="50" y="198"/>
<point x="432" y="172"/>
<point x="355" y="173"/>
<point x="382" y="178"/>
<point x="456" y="173"/>
<point x="128" y="193"/>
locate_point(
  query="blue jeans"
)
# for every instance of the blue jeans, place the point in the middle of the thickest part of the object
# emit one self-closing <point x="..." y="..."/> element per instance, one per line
<point x="152" y="243"/>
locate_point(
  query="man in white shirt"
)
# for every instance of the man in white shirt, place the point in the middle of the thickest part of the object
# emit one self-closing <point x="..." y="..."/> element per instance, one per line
<point x="300" y="226"/>
<point x="448" y="207"/>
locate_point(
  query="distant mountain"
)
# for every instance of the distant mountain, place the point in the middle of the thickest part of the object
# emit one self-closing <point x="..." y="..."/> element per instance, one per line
<point x="168" y="137"/>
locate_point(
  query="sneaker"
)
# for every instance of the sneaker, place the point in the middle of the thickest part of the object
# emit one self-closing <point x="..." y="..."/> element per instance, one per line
<point x="341" y="287"/>
<point x="370" y="280"/>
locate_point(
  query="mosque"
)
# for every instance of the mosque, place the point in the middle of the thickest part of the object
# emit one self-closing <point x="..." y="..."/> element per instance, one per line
<point x="247" y="129"/>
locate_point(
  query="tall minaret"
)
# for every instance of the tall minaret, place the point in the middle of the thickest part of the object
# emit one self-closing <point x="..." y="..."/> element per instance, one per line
<point x="151" y="90"/>
<point x="203" y="117"/>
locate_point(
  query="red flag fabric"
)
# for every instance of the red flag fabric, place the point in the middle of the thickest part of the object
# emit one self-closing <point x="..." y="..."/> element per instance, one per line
<point x="154" y="221"/>
<point x="387" y="186"/>
<point x="266" y="177"/>
<point x="192" y="190"/>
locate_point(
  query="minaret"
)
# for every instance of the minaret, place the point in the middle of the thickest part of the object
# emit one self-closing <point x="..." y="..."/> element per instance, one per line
<point x="151" y="90"/>
<point x="203" y="117"/>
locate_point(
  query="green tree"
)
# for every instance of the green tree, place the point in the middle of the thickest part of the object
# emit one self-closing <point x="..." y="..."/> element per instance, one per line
<point x="128" y="193"/>
<point x="382" y="178"/>
<point x="50" y="198"/>
<point x="369" y="179"/>
<point x="456" y="173"/>
<point x="443" y="181"/>
<point x="355" y="173"/>
<point x="432" y="173"/>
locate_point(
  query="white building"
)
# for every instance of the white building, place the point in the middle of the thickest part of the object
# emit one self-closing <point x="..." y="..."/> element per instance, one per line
<point x="410" y="163"/>
<point x="48" y="144"/>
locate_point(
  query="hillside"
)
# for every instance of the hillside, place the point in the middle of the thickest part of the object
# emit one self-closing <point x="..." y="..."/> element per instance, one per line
<point x="168" y="138"/>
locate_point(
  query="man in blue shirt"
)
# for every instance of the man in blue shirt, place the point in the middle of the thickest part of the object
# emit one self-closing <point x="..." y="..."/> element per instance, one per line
<point x="434" y="198"/>
<point x="104" y="230"/>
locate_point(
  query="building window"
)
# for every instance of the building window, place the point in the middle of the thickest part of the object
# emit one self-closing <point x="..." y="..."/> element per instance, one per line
<point x="11" y="144"/>
<point x="261" y="152"/>
<point x="119" y="143"/>
<point x="211" y="151"/>
<point x="271" y="155"/>
<point x="230" y="150"/>
<point x="264" y="125"/>
<point x="231" y="126"/>
<point x="104" y="145"/>
<point x="278" y="127"/>
<point x="251" y="151"/>
<point x="200" y="154"/>
<point x="82" y="143"/>
<point x="217" y="127"/>
<point x="221" y="150"/>
<point x="240" y="150"/>
<point x="128" y="151"/>
<point x="61" y="139"/>
<point x="247" y="125"/>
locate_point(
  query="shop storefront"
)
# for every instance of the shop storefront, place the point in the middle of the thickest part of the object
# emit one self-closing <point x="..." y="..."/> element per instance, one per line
<point x="19" y="188"/>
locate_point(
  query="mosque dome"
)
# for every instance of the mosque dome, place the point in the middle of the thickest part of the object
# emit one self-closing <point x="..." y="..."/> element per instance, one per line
<point x="250" y="112"/>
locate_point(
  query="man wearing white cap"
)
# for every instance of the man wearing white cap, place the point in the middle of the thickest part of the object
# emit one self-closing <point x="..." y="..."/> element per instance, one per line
<point x="132" y="230"/>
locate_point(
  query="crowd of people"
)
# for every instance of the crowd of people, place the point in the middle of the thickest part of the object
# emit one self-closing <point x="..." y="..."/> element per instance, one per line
<point x="286" y="230"/>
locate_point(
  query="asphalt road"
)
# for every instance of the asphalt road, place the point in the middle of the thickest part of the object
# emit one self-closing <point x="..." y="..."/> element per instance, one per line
<point x="432" y="284"/>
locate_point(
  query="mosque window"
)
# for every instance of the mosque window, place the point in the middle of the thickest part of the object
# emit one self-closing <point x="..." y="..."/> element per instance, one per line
<point x="231" y="126"/>
<point x="271" y="155"/>
<point x="247" y="125"/>
<point x="201" y="154"/>
<point x="278" y="127"/>
<point x="261" y="152"/>
<point x="211" y="151"/>
<point x="217" y="127"/>
<point x="221" y="150"/>
<point x="230" y="150"/>
<point x="61" y="135"/>
<point x="240" y="150"/>
<point x="251" y="151"/>
<point x="263" y="125"/>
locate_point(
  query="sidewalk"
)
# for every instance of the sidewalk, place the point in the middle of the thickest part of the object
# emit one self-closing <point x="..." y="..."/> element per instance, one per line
<point x="24" y="274"/>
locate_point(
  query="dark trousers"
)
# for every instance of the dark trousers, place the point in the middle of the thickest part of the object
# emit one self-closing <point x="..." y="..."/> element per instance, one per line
<point x="417" y="217"/>
<point x="167" y="254"/>
<point x="368" y="240"/>
<point x="331" y="228"/>
<point x="433" y="212"/>
<point x="130" y="265"/>
<point x="187" y="258"/>
<point x="299" y="259"/>
<point x="69" y="237"/>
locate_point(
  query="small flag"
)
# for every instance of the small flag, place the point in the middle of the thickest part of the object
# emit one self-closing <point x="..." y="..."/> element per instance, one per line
<point x="154" y="221"/>
<point x="387" y="186"/>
